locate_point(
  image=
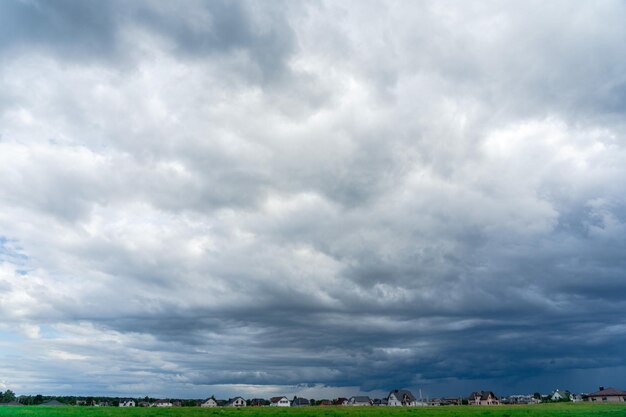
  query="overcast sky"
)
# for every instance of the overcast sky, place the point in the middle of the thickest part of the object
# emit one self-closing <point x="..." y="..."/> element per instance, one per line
<point x="323" y="198"/>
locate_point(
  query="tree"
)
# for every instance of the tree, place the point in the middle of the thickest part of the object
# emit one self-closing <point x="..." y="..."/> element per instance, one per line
<point x="8" y="396"/>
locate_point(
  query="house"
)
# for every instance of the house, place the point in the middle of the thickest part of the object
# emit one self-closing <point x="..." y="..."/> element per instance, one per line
<point x="451" y="401"/>
<point x="236" y="402"/>
<point x="607" y="395"/>
<point x="300" y="402"/>
<point x="162" y="403"/>
<point x="379" y="402"/>
<point x="483" y="398"/>
<point x="576" y="398"/>
<point x="443" y="401"/>
<point x="53" y="403"/>
<point x="558" y="395"/>
<point x="257" y="402"/>
<point x="144" y="404"/>
<point x="126" y="402"/>
<point x="340" y="401"/>
<point x="325" y="403"/>
<point x="401" y="397"/>
<point x="519" y="399"/>
<point x="361" y="400"/>
<point x="209" y="402"/>
<point x="11" y="404"/>
<point x="279" y="402"/>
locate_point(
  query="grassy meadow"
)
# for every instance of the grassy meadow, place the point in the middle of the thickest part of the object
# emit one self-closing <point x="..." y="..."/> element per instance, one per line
<point x="541" y="410"/>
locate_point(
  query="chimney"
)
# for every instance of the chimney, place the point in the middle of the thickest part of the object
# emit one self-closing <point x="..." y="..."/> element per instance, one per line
<point x="601" y="388"/>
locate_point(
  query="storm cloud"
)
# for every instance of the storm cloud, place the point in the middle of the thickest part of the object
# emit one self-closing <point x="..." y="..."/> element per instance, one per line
<point x="313" y="197"/>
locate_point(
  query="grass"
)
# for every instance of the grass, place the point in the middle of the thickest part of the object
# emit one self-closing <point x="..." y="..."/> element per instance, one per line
<point x="541" y="410"/>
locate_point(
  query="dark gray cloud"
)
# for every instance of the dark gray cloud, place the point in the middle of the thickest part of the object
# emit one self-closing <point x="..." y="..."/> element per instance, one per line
<point x="83" y="28"/>
<point x="109" y="31"/>
<point x="236" y="197"/>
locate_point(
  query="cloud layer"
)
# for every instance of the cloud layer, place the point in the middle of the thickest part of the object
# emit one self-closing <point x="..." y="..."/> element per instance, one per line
<point x="312" y="197"/>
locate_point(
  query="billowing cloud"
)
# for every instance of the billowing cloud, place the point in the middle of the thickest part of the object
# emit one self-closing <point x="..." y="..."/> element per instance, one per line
<point x="311" y="198"/>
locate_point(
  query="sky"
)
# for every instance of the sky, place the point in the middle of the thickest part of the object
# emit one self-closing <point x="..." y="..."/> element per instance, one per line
<point x="315" y="198"/>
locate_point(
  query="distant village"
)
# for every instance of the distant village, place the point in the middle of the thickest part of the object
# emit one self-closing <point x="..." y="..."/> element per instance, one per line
<point x="395" y="398"/>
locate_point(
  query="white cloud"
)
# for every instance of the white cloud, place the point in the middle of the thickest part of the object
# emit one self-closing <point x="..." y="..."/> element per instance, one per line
<point x="313" y="198"/>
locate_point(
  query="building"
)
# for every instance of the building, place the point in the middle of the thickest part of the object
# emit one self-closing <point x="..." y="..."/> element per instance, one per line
<point x="361" y="400"/>
<point x="300" y="402"/>
<point x="209" y="402"/>
<point x="607" y="395"/>
<point x="444" y="401"/>
<point x="236" y="402"/>
<point x="483" y="398"/>
<point x="11" y="404"/>
<point x="162" y="403"/>
<point x="279" y="402"/>
<point x="257" y="402"/>
<point x="53" y="403"/>
<point x="401" y="397"/>
<point x="340" y="401"/>
<point x="520" y="399"/>
<point x="559" y="395"/>
<point x="126" y="402"/>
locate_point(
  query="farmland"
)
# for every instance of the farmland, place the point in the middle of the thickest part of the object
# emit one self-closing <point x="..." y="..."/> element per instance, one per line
<point x="543" y="410"/>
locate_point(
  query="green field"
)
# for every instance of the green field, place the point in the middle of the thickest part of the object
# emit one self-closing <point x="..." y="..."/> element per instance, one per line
<point x="547" y="410"/>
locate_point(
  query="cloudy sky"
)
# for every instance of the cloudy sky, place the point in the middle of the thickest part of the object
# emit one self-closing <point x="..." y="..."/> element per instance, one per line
<point x="323" y="198"/>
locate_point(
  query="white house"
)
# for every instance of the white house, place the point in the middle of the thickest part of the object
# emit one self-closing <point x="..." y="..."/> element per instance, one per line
<point x="162" y="403"/>
<point x="360" y="401"/>
<point x="401" y="397"/>
<point x="209" y="402"/>
<point x="236" y="402"/>
<point x="127" y="403"/>
<point x="560" y="395"/>
<point x="521" y="399"/>
<point x="280" y="402"/>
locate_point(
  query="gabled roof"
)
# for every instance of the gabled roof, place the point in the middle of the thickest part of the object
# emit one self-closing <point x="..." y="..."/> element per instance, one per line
<point x="607" y="392"/>
<point x="274" y="400"/>
<point x="402" y="394"/>
<point x="361" y="399"/>
<point x="482" y="395"/>
<point x="232" y="400"/>
<point x="12" y="403"/>
<point x="52" y="403"/>
<point x="300" y="401"/>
